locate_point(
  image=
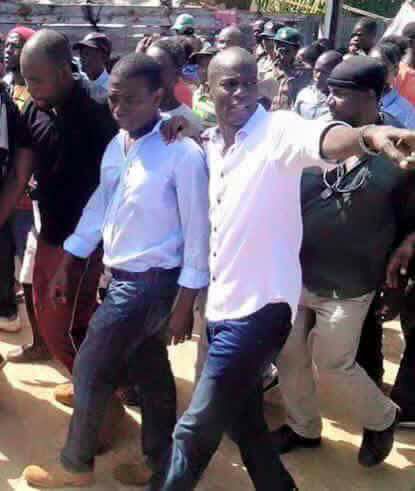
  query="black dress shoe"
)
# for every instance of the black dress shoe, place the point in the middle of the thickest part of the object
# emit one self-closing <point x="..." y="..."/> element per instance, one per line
<point x="285" y="440"/>
<point x="377" y="445"/>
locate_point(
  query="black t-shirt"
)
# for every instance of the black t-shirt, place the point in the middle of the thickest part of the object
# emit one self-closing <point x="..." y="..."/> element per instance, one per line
<point x="18" y="134"/>
<point x="69" y="147"/>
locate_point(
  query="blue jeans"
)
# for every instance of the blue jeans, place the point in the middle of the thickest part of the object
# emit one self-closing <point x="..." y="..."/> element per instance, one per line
<point x="125" y="345"/>
<point x="228" y="398"/>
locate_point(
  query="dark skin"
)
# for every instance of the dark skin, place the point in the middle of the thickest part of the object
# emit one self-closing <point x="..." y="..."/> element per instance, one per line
<point x="323" y="67"/>
<point x="361" y="39"/>
<point x="134" y="105"/>
<point x="229" y="37"/>
<point x="170" y="76"/>
<point x="92" y="61"/>
<point x="410" y="57"/>
<point x="285" y="56"/>
<point x="355" y="107"/>
<point x="12" y="51"/>
<point x="268" y="45"/>
<point x="233" y="87"/>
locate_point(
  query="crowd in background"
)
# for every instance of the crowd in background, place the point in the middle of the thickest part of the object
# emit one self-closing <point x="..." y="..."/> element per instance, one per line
<point x="96" y="150"/>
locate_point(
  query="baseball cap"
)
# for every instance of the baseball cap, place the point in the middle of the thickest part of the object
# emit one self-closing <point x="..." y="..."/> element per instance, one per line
<point x="270" y="28"/>
<point x="288" y="35"/>
<point x="97" y="40"/>
<point x="184" y="22"/>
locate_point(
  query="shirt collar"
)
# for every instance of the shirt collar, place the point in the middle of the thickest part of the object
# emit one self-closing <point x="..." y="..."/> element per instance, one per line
<point x="148" y="130"/>
<point x="214" y="135"/>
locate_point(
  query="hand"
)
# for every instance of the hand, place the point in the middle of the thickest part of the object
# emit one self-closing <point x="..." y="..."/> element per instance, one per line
<point x="144" y="44"/>
<point x="62" y="288"/>
<point x="172" y="129"/>
<point x="181" y="325"/>
<point x="398" y="263"/>
<point x="396" y="144"/>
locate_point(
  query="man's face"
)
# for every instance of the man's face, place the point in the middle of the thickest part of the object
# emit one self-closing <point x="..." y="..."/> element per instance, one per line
<point x="285" y="53"/>
<point x="45" y="82"/>
<point x="92" y="61"/>
<point x="361" y="39"/>
<point x="268" y="45"/>
<point x="169" y="72"/>
<point x="234" y="90"/>
<point x="348" y="105"/>
<point x="227" y="39"/>
<point x="132" y="103"/>
<point x="321" y="73"/>
<point x="12" y="50"/>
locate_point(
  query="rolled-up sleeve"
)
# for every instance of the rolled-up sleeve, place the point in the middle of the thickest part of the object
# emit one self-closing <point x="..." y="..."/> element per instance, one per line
<point x="191" y="181"/>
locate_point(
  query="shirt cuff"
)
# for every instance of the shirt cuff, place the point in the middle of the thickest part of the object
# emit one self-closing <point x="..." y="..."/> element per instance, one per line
<point x="79" y="247"/>
<point x="192" y="278"/>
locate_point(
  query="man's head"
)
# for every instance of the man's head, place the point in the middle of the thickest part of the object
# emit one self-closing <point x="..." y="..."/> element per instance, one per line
<point x="390" y="56"/>
<point x="287" y="43"/>
<point x="15" y="41"/>
<point x="94" y="52"/>
<point x="202" y="59"/>
<point x="46" y="67"/>
<point x="363" y="37"/>
<point x="229" y="37"/>
<point x="171" y="57"/>
<point x="307" y="57"/>
<point x="323" y="68"/>
<point x="135" y="91"/>
<point x="232" y="78"/>
<point x="356" y="87"/>
<point x="258" y="27"/>
<point x="267" y="37"/>
<point x="184" y="25"/>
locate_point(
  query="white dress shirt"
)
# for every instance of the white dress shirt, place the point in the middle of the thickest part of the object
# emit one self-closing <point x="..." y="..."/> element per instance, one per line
<point x="255" y="212"/>
<point x="150" y="209"/>
<point x="98" y="89"/>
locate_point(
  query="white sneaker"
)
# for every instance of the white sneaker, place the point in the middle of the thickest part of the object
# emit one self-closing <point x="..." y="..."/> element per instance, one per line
<point x="10" y="324"/>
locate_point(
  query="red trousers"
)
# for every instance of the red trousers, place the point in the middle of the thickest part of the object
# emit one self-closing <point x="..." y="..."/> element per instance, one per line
<point x="64" y="326"/>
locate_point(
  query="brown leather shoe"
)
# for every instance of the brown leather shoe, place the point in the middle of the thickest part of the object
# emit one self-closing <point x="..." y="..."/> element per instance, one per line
<point x="64" y="394"/>
<point x="56" y="477"/>
<point x="134" y="474"/>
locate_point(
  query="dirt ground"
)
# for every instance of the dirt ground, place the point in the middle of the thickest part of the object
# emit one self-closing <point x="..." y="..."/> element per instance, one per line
<point x="33" y="428"/>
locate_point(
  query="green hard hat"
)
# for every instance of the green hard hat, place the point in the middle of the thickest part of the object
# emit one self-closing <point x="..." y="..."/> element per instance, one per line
<point x="183" y="22"/>
<point x="289" y="35"/>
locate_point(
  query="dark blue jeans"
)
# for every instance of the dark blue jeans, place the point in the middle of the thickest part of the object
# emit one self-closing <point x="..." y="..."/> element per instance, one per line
<point x="125" y="345"/>
<point x="228" y="398"/>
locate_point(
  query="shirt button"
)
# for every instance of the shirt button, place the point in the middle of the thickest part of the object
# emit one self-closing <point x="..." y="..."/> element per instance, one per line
<point x="222" y="174"/>
<point x="218" y="200"/>
<point x="215" y="229"/>
<point x="214" y="254"/>
<point x="213" y="278"/>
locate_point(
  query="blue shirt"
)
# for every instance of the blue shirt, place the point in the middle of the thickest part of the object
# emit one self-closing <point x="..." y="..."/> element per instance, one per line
<point x="400" y="108"/>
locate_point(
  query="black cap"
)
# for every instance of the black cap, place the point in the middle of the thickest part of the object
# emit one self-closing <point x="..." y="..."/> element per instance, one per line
<point x="97" y="40"/>
<point x="359" y="73"/>
<point x="205" y="51"/>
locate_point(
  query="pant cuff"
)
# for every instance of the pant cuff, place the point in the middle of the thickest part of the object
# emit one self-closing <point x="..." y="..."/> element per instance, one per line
<point x="76" y="468"/>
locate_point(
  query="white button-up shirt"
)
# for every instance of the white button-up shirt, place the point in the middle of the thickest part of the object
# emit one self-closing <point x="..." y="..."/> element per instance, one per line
<point x="255" y="212"/>
<point x="98" y="89"/>
<point x="150" y="209"/>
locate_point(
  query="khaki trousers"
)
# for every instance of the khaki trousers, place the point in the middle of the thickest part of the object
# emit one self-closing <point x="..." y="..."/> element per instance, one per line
<point x="326" y="332"/>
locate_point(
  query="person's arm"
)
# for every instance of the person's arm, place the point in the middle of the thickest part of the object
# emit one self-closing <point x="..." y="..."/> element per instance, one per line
<point x="399" y="261"/>
<point x="192" y="197"/>
<point x="16" y="182"/>
<point x="340" y="142"/>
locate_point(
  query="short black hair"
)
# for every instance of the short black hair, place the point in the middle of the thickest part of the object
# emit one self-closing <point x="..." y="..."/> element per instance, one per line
<point x="313" y="52"/>
<point x="409" y="30"/>
<point x="139" y="65"/>
<point x="390" y="52"/>
<point x="369" y="25"/>
<point x="174" y="49"/>
<point x="401" y="41"/>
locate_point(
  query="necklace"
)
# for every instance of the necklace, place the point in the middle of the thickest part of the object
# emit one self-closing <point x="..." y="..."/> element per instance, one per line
<point x="337" y="186"/>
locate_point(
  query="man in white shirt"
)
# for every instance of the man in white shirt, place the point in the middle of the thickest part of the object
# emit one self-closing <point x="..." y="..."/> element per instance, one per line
<point x="255" y="162"/>
<point x="95" y="51"/>
<point x="151" y="211"/>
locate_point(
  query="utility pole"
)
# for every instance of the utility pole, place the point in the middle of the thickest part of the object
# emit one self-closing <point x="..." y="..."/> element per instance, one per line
<point x="331" y="19"/>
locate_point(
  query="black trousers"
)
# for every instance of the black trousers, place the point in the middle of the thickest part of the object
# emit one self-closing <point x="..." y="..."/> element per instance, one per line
<point x="8" y="305"/>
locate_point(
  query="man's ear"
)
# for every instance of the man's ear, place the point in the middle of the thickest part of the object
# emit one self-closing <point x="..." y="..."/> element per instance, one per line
<point x="158" y="96"/>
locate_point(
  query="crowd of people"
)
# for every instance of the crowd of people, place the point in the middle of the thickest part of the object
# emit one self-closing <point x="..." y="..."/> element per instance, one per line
<point x="247" y="186"/>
